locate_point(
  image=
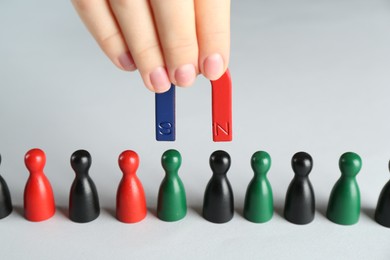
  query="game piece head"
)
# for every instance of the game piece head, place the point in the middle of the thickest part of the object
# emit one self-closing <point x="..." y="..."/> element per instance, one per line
<point x="261" y="162"/>
<point x="81" y="161"/>
<point x="302" y="163"/>
<point x="35" y="160"/>
<point x="128" y="161"/>
<point x="171" y="160"/>
<point x="350" y="164"/>
<point x="220" y="162"/>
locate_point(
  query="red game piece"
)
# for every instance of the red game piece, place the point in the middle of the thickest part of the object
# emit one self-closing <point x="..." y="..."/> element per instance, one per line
<point x="38" y="195"/>
<point x="222" y="108"/>
<point x="130" y="198"/>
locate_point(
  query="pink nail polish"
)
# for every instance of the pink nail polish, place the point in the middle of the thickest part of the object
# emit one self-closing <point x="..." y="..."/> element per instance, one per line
<point x="185" y="75"/>
<point x="160" y="80"/>
<point x="126" y="61"/>
<point x="213" y="66"/>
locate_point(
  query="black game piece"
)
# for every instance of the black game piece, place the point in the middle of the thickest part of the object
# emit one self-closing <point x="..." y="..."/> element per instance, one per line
<point x="5" y="198"/>
<point x="300" y="202"/>
<point x="218" y="203"/>
<point x="83" y="200"/>
<point x="382" y="212"/>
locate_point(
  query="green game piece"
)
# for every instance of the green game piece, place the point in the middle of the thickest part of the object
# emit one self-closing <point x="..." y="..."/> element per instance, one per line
<point x="172" y="205"/>
<point x="259" y="206"/>
<point x="344" y="201"/>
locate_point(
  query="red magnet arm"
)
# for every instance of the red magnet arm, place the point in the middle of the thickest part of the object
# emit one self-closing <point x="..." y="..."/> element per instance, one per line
<point x="222" y="108"/>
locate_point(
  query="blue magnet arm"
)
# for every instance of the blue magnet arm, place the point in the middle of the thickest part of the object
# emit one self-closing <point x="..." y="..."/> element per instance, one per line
<point x="165" y="115"/>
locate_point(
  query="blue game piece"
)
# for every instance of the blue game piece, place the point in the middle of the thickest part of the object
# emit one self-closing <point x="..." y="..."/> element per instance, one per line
<point x="165" y="115"/>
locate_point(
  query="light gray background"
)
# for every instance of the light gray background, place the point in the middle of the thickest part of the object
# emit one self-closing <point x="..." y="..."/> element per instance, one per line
<point x="307" y="75"/>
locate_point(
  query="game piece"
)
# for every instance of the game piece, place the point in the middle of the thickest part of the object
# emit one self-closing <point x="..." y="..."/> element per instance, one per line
<point x="344" y="201"/>
<point x="165" y="115"/>
<point x="130" y="197"/>
<point x="382" y="212"/>
<point x="222" y="108"/>
<point x="218" y="203"/>
<point x="299" y="207"/>
<point x="259" y="205"/>
<point x="39" y="202"/>
<point x="5" y="198"/>
<point x="83" y="199"/>
<point x="172" y="204"/>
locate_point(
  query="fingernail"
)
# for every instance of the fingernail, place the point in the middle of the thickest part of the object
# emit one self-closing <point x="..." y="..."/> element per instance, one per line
<point x="160" y="80"/>
<point x="127" y="61"/>
<point x="185" y="75"/>
<point x="213" y="66"/>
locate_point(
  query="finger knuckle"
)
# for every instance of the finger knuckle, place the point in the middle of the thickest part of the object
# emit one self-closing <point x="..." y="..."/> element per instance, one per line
<point x="106" y="40"/>
<point x="181" y="46"/>
<point x="146" y="51"/>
